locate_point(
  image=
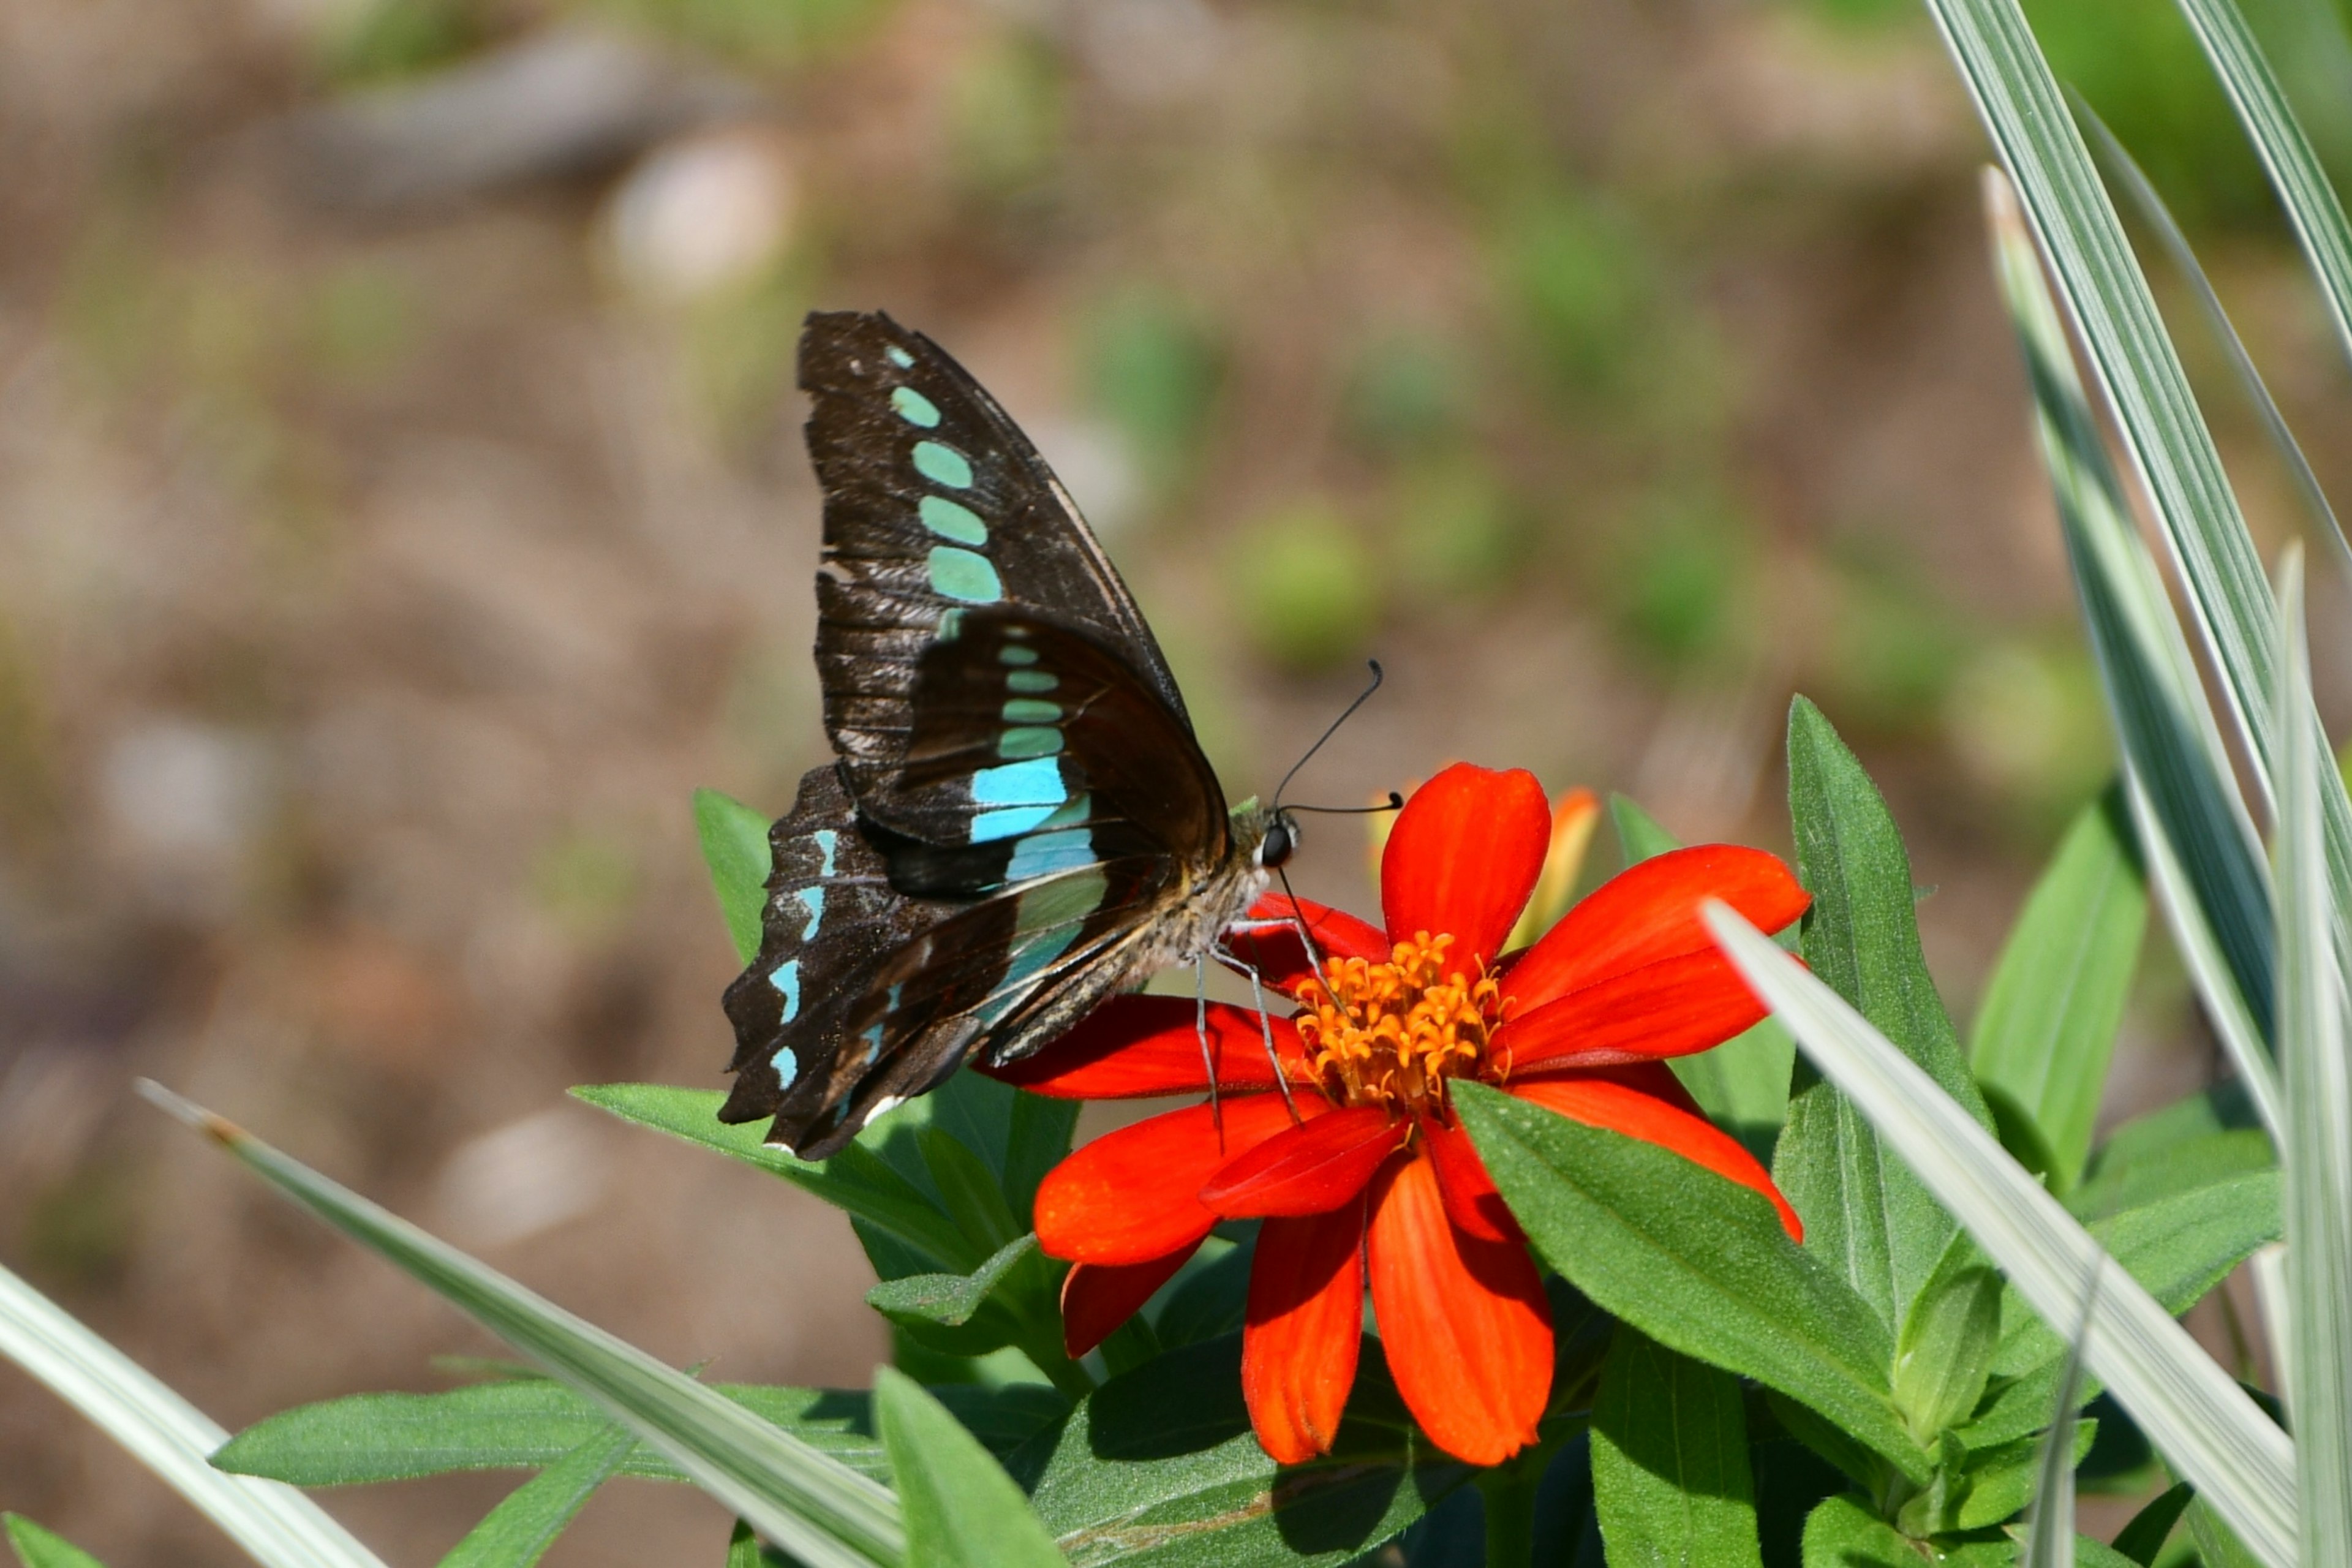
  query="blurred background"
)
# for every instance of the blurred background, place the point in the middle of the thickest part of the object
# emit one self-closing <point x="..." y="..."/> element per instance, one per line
<point x="402" y="509"/>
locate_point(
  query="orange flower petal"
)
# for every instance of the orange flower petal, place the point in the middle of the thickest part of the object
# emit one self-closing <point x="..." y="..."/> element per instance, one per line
<point x="1312" y="1168"/>
<point x="1464" y="1322"/>
<point x="1281" y="958"/>
<point x="1471" y="1201"/>
<point x="1132" y="1195"/>
<point x="1135" y="1047"/>
<point x="1096" y="1298"/>
<point x="1301" y="1330"/>
<point x="1608" y="1101"/>
<point x="1670" y="1008"/>
<point x="1648" y="913"/>
<point x="1467" y="849"/>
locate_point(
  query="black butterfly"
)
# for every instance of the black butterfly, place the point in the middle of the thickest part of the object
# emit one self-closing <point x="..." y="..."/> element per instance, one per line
<point x="1020" y="821"/>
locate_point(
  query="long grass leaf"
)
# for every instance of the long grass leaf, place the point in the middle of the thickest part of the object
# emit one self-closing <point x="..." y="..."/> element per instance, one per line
<point x="2125" y="173"/>
<point x="816" y="1508"/>
<point x="2199" y="842"/>
<point x="2206" y="1427"/>
<point x="2319" y="1117"/>
<point x="274" y="1524"/>
<point x="2286" y="152"/>
<point x="2050" y="1521"/>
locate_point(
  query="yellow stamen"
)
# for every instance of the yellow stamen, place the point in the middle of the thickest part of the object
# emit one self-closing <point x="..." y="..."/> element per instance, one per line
<point x="1392" y="1034"/>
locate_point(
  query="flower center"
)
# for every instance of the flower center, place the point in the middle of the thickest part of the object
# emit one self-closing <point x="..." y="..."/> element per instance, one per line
<point x="1391" y="1034"/>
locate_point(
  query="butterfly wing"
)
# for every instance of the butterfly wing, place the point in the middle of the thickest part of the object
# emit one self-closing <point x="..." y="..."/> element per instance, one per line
<point x="1020" y="812"/>
<point x="861" y="996"/>
<point x="935" y="503"/>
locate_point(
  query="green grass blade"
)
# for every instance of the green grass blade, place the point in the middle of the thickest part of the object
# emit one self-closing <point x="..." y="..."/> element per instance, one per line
<point x="2050" y="1519"/>
<point x="2046" y="1029"/>
<point x="2286" y="152"/>
<point x="2212" y="1433"/>
<point x="39" y="1548"/>
<point x="962" y="1510"/>
<point x="2318" y="1146"/>
<point x="275" y="1524"/>
<point x="2108" y="296"/>
<point x="2126" y="176"/>
<point x="518" y="1532"/>
<point x="2196" y="837"/>
<point x="820" y="1511"/>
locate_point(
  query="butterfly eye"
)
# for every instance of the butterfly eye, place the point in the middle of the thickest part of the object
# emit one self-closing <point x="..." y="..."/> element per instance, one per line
<point x="1281" y="839"/>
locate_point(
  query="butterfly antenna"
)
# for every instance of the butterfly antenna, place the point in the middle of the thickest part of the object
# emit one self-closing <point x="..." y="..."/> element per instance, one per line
<point x="1395" y="802"/>
<point x="1347" y="713"/>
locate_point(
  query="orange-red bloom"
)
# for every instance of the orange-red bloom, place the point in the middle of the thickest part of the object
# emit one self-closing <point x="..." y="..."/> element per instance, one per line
<point x="1375" y="1177"/>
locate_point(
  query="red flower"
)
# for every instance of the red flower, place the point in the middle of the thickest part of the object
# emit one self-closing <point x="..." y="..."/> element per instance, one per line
<point x="1375" y="1177"/>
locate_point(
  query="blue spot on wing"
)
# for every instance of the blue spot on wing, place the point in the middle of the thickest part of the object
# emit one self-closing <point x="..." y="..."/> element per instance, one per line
<point x="825" y="838"/>
<point x="958" y="573"/>
<point x="1043" y="854"/>
<point x="914" y="408"/>
<point x="942" y="464"/>
<point x="812" y="899"/>
<point x="1037" y="781"/>
<point x="786" y="977"/>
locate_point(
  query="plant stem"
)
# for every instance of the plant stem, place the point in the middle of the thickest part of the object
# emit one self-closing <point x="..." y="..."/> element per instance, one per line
<point x="1509" y="1492"/>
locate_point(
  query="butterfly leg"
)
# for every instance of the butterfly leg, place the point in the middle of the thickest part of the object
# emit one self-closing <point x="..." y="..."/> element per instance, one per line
<point x="1265" y="1021"/>
<point x="1200" y="1025"/>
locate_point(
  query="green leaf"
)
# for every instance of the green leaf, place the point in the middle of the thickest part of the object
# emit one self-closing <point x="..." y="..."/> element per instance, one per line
<point x="856" y="1180"/>
<point x="735" y="847"/>
<point x="1209" y="1297"/>
<point x="2050" y="1521"/>
<point x="2161" y="1155"/>
<point x="2151" y="1527"/>
<point x="1845" y="1534"/>
<point x="2047" y="1027"/>
<point x="275" y="1527"/>
<point x="2194" y="831"/>
<point x="1670" y="1470"/>
<point x="2000" y="1481"/>
<point x="2204" y="1424"/>
<point x="948" y="1299"/>
<point x="818" y="1508"/>
<point x="2217" y="1546"/>
<point x="2316" y="1076"/>
<point x="745" y="1549"/>
<point x="518" y="1532"/>
<point x="1865" y="1212"/>
<point x="1158" y="1469"/>
<point x="1638" y="832"/>
<point x="37" y="1548"/>
<point x="527" y="1424"/>
<point x="1693" y="1260"/>
<point x="961" y="1510"/>
<point x="1944" y="1356"/>
<point x="1743" y="1083"/>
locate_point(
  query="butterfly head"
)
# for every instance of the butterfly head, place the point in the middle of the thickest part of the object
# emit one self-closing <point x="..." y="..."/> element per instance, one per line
<point x="1281" y="840"/>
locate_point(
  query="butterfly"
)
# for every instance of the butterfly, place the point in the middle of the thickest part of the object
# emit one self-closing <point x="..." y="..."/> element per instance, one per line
<point x="1019" y="821"/>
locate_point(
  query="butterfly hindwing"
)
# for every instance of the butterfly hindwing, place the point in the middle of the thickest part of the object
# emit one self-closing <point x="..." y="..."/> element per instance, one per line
<point x="861" y="996"/>
<point x="1035" y="749"/>
<point x="934" y="503"/>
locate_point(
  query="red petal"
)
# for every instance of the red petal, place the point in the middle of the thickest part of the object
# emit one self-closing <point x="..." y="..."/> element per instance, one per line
<point x="1650" y="912"/>
<point x="1135" y="1047"/>
<point x="1131" y="1195"/>
<point x="1301" y="1329"/>
<point x="1669" y="1008"/>
<point x="1281" y="958"/>
<point x="1096" y="1298"/>
<point x="1464" y="1322"/>
<point x="1309" y="1169"/>
<point x="1467" y="849"/>
<point x="1471" y="1201"/>
<point x="1599" y="1101"/>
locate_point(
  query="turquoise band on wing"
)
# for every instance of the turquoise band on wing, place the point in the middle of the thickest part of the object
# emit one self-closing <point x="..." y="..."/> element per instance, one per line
<point x="942" y="464"/>
<point x="959" y="573"/>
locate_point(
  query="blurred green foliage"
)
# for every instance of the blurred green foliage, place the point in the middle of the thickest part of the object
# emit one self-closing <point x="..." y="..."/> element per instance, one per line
<point x="388" y="39"/>
<point x="1405" y="391"/>
<point x="1008" y="113"/>
<point x="750" y="32"/>
<point x="1154" y="366"/>
<point x="586" y="881"/>
<point x="1892" y="647"/>
<point x="1583" y="285"/>
<point x="1456" y="530"/>
<point x="1305" y="586"/>
<point x="1676" y="576"/>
